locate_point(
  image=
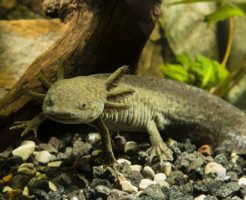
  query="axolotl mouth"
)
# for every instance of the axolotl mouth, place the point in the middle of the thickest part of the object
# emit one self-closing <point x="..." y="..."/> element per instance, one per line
<point x="68" y="118"/>
<point x="65" y="118"/>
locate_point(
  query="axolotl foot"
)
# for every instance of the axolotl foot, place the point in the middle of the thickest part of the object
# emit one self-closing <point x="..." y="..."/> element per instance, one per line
<point x="29" y="126"/>
<point x="161" y="151"/>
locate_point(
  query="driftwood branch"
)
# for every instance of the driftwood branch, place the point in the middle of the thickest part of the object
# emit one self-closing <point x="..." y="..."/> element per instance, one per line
<point x="101" y="35"/>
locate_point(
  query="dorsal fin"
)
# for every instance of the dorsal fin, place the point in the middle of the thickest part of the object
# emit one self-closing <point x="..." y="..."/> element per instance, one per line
<point x="116" y="106"/>
<point x="119" y="93"/>
<point x="115" y="77"/>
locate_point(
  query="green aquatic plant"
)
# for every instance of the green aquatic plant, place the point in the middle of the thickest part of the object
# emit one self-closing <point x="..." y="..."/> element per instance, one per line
<point x="204" y="72"/>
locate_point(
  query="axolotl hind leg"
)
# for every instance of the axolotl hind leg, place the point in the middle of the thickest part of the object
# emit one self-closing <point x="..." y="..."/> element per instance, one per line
<point x="158" y="147"/>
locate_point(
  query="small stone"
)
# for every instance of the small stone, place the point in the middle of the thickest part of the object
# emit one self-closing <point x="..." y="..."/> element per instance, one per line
<point x="233" y="175"/>
<point x="121" y="161"/>
<point x="227" y="189"/>
<point x="116" y="194"/>
<point x="64" y="179"/>
<point x="209" y="197"/>
<point x="234" y="157"/>
<point x="176" y="192"/>
<point x="81" y="148"/>
<point x="43" y="156"/>
<point x="148" y="172"/>
<point x="221" y="159"/>
<point x="215" y="168"/>
<point x="6" y="153"/>
<point x="55" y="164"/>
<point x="39" y="182"/>
<point x="52" y="186"/>
<point x="68" y="152"/>
<point x="167" y="168"/>
<point x="20" y="181"/>
<point x="131" y="147"/>
<point x="200" y="197"/>
<point x="55" y="142"/>
<point x="135" y="177"/>
<point x="205" y="150"/>
<point x="153" y="191"/>
<point x="25" y="191"/>
<point x="242" y="181"/>
<point x="145" y="183"/>
<point x="176" y="177"/>
<point x="136" y="167"/>
<point x="27" y="168"/>
<point x="7" y="178"/>
<point x="25" y="150"/>
<point x="119" y="143"/>
<point x="160" y="179"/>
<point x="48" y="147"/>
<point x="7" y="189"/>
<point x="128" y="187"/>
<point x="93" y="138"/>
<point x="102" y="191"/>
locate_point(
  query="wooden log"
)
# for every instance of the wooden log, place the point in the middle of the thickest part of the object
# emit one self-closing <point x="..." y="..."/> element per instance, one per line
<point x="101" y="35"/>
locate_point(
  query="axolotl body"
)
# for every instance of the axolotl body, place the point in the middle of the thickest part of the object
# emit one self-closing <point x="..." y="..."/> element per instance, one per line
<point x="133" y="103"/>
<point x="150" y="105"/>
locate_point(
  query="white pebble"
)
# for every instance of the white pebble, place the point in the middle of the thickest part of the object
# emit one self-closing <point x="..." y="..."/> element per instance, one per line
<point x="25" y="191"/>
<point x="167" y="168"/>
<point x="131" y="146"/>
<point x="136" y="167"/>
<point x="75" y="198"/>
<point x="25" y="150"/>
<point x="145" y="183"/>
<point x="7" y="189"/>
<point x="242" y="181"/>
<point x="148" y="172"/>
<point x="121" y="161"/>
<point x="234" y="157"/>
<point x="27" y="168"/>
<point x="93" y="138"/>
<point x="55" y="164"/>
<point x="52" y="186"/>
<point x="200" y="197"/>
<point x="160" y="179"/>
<point x="128" y="187"/>
<point x="216" y="168"/>
<point x="43" y="156"/>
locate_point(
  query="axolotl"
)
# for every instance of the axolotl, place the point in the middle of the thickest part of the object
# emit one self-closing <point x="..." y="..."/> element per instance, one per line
<point x="145" y="104"/>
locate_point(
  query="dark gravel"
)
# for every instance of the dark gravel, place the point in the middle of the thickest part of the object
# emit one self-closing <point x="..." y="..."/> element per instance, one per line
<point x="74" y="171"/>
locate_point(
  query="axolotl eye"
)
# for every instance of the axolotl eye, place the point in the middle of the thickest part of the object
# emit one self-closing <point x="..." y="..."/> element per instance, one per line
<point x="50" y="102"/>
<point x="83" y="106"/>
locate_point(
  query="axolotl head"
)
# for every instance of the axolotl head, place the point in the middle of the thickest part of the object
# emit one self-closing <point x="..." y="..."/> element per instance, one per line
<point x="74" y="101"/>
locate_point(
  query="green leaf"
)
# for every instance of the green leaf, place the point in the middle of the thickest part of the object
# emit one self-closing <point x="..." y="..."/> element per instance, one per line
<point x="242" y="6"/>
<point x="223" y="12"/>
<point x="176" y="72"/>
<point x="208" y="72"/>
<point x="185" y="60"/>
<point x="191" y="1"/>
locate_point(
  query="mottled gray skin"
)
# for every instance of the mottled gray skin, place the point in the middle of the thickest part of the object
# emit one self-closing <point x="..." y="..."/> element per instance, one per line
<point x="155" y="101"/>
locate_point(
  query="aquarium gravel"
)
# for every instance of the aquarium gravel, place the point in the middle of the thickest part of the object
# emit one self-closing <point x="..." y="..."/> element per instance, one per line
<point x="69" y="167"/>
